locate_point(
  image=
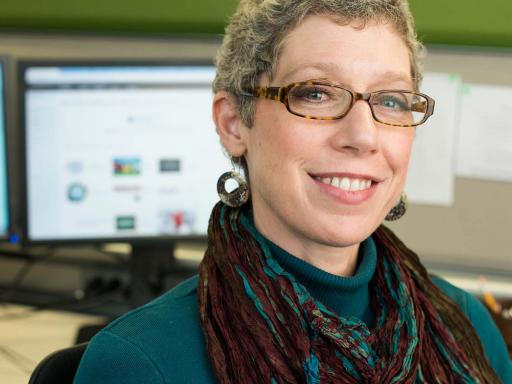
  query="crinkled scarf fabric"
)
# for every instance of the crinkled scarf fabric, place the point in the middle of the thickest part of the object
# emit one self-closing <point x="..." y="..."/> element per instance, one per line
<point x="262" y="326"/>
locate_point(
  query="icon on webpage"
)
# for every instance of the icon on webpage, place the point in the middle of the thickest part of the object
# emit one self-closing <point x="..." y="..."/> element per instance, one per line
<point x="76" y="192"/>
<point x="177" y="221"/>
<point x="125" y="223"/>
<point x="127" y="166"/>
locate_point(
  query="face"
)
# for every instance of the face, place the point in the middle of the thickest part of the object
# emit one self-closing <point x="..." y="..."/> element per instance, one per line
<point x="292" y="161"/>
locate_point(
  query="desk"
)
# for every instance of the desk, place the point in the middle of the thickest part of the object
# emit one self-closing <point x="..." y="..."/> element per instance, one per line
<point x="501" y="288"/>
<point x="27" y="337"/>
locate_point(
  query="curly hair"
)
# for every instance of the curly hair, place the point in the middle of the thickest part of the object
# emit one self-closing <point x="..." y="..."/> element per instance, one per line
<point x="257" y="30"/>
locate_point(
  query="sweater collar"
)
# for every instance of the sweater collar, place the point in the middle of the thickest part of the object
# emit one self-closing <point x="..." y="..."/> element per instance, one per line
<point x="347" y="296"/>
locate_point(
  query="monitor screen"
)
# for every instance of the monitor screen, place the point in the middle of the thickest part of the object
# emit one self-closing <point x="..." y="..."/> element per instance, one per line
<point x="118" y="152"/>
<point x="4" y="202"/>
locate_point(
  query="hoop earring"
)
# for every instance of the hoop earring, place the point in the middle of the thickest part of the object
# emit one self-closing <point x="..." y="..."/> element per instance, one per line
<point x="398" y="210"/>
<point x="238" y="196"/>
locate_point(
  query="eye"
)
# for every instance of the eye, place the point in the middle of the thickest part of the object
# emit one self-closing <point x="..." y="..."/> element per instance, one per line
<point x="311" y="93"/>
<point x="393" y="101"/>
<point x="315" y="95"/>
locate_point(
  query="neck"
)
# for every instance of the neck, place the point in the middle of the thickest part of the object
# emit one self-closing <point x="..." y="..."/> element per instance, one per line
<point x="339" y="261"/>
<point x="336" y="260"/>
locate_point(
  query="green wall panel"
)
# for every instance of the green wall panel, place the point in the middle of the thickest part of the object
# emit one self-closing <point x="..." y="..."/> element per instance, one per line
<point x="160" y="16"/>
<point x="467" y="22"/>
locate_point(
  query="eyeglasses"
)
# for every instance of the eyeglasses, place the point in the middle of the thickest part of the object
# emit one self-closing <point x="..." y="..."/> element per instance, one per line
<point x="324" y="101"/>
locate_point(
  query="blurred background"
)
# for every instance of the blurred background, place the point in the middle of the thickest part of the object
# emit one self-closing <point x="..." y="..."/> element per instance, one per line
<point x="109" y="158"/>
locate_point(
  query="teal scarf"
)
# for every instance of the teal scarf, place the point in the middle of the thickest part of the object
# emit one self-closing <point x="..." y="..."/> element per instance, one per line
<point x="262" y="326"/>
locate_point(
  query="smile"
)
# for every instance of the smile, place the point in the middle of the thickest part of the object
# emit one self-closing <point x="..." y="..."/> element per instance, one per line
<point x="346" y="183"/>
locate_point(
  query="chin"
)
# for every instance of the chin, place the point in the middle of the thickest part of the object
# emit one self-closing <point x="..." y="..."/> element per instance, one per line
<point x="347" y="234"/>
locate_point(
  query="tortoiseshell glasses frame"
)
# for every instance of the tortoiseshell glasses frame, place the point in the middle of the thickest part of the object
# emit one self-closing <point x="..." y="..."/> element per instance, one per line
<point x="407" y="108"/>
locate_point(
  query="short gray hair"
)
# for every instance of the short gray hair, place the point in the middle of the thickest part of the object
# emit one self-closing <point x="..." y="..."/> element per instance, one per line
<point x="256" y="31"/>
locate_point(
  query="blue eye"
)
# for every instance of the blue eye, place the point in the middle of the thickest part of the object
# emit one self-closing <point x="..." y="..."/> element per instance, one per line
<point x="310" y="93"/>
<point x="315" y="95"/>
<point x="392" y="101"/>
<point x="318" y="100"/>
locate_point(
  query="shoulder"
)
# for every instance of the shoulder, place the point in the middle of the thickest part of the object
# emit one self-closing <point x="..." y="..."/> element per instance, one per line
<point x="161" y="339"/>
<point x="172" y="316"/>
<point x="469" y="304"/>
<point x="485" y="327"/>
<point x="173" y="306"/>
<point x="461" y="297"/>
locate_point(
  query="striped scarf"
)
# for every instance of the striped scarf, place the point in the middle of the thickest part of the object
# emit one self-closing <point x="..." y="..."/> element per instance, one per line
<point x="262" y="326"/>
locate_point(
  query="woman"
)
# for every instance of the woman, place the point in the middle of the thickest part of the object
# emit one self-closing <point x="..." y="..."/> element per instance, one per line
<point x="318" y="102"/>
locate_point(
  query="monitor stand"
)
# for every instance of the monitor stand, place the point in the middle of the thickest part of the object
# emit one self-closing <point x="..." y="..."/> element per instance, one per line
<point x="149" y="264"/>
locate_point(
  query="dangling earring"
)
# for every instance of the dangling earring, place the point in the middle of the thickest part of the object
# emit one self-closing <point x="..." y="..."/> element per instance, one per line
<point x="398" y="210"/>
<point x="238" y="196"/>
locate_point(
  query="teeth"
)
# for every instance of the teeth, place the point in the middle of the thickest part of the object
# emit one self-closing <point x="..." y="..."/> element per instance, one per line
<point x="354" y="185"/>
<point x="347" y="184"/>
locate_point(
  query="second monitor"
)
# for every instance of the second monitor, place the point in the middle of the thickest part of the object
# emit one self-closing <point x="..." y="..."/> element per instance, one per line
<point x="4" y="190"/>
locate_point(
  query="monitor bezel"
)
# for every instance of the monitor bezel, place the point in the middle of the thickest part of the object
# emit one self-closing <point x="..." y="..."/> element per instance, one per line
<point x="6" y="90"/>
<point x="22" y="66"/>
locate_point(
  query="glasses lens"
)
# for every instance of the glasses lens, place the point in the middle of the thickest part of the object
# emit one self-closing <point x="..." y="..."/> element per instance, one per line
<point x="399" y="108"/>
<point x="318" y="100"/>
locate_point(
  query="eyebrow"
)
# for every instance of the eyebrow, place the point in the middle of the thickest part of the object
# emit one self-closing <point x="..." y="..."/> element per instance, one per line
<point x="333" y="68"/>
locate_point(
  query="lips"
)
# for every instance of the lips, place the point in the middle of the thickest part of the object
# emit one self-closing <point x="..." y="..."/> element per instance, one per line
<point x="346" y="183"/>
<point x="344" y="179"/>
<point x="347" y="188"/>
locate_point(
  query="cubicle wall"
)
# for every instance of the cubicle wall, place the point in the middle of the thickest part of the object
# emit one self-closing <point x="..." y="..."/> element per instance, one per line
<point x="475" y="232"/>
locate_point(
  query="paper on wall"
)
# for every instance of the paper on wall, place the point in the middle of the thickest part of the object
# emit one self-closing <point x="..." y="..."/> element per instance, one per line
<point x="431" y="170"/>
<point x="485" y="133"/>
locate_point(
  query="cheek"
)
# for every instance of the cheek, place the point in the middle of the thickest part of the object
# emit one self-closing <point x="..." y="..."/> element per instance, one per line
<point x="263" y="150"/>
<point x="397" y="149"/>
<point x="275" y="140"/>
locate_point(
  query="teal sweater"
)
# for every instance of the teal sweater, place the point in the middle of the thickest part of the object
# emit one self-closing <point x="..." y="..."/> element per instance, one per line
<point x="162" y="342"/>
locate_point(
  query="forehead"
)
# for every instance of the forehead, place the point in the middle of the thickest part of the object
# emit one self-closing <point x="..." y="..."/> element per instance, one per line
<point x="321" y="48"/>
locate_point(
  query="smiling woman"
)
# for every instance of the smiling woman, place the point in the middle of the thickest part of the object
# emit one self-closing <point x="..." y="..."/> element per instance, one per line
<point x="288" y="157"/>
<point x="318" y="101"/>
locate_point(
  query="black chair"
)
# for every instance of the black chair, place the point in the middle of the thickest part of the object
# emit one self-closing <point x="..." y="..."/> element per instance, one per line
<point x="59" y="366"/>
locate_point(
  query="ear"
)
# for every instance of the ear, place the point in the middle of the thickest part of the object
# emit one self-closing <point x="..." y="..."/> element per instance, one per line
<point x="229" y="124"/>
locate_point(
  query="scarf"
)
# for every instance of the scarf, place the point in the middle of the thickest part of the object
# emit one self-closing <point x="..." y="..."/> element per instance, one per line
<point x="262" y="326"/>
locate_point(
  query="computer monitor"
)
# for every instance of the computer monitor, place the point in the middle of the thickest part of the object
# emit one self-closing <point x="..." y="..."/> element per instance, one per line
<point x="4" y="190"/>
<point x="118" y="152"/>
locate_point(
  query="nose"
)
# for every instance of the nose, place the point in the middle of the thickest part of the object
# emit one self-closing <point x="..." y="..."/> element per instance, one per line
<point x="357" y="132"/>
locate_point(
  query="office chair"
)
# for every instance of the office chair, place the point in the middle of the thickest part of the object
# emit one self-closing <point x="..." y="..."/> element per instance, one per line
<point x="59" y="366"/>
